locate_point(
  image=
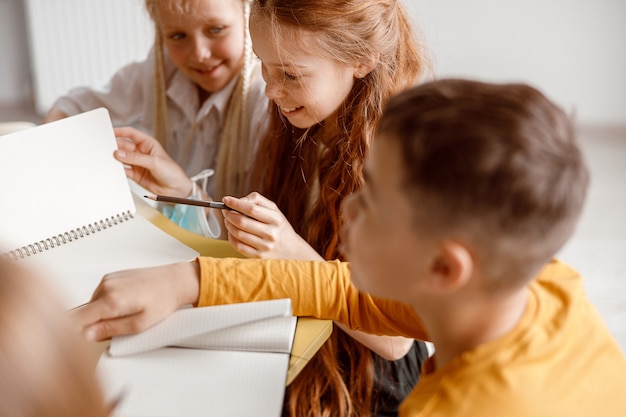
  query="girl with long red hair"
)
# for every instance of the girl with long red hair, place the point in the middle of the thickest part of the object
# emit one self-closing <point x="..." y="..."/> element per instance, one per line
<point x="329" y="67"/>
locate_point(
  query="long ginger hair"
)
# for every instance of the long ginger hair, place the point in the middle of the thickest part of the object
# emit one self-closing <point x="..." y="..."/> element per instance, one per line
<point x="309" y="172"/>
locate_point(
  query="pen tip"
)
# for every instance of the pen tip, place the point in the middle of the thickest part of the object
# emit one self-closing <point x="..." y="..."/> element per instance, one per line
<point x="151" y="197"/>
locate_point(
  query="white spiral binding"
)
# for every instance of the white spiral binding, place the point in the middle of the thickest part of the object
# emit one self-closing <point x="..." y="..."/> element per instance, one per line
<point x="66" y="237"/>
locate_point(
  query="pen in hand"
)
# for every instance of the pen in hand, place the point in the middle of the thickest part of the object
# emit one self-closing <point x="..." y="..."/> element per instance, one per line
<point x="191" y="202"/>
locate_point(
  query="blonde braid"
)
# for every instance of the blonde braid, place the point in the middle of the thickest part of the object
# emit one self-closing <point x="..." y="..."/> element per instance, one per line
<point x="232" y="159"/>
<point x="161" y="128"/>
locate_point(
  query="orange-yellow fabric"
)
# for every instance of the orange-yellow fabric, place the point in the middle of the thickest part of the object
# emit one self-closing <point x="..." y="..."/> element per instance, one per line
<point x="559" y="360"/>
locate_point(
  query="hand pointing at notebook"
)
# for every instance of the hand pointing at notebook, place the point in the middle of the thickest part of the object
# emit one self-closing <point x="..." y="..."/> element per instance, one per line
<point x="128" y="302"/>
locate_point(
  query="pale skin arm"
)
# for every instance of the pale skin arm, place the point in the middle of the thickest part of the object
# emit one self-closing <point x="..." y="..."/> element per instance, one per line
<point x="131" y="301"/>
<point x="391" y="348"/>
<point x="266" y="233"/>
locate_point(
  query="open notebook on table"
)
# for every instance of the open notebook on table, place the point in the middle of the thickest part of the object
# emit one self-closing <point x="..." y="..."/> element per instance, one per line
<point x="67" y="208"/>
<point x="228" y="360"/>
<point x="68" y="211"/>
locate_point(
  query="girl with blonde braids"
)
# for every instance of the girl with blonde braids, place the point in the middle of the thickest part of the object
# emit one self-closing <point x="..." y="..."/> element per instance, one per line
<point x="329" y="66"/>
<point x="199" y="92"/>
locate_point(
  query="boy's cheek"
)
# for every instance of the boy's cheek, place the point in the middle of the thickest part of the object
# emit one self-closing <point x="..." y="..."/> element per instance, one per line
<point x="344" y="247"/>
<point x="351" y="236"/>
<point x="354" y="248"/>
<point x="365" y="276"/>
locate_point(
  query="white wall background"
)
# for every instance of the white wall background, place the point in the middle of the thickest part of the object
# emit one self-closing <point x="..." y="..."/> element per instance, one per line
<point x="574" y="50"/>
<point x="61" y="44"/>
<point x="14" y="64"/>
<point x="82" y="42"/>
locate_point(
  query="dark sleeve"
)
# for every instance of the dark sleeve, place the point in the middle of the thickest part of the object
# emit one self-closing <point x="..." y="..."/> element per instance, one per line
<point x="395" y="379"/>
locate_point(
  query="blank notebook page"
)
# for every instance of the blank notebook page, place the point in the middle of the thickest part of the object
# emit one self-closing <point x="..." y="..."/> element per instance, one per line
<point x="60" y="176"/>
<point x="60" y="182"/>
<point x="256" y="326"/>
<point x="237" y="366"/>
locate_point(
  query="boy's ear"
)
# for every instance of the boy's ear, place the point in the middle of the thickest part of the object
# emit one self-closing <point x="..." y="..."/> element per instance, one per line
<point x="364" y="68"/>
<point x="453" y="266"/>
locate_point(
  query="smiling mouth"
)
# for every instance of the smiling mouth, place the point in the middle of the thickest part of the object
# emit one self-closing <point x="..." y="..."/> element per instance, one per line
<point x="205" y="70"/>
<point x="288" y="110"/>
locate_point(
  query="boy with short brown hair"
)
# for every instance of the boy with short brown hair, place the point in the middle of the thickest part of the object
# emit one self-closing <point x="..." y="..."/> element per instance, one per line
<point x="471" y="189"/>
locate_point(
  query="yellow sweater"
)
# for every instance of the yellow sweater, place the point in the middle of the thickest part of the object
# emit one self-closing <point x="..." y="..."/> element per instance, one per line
<point x="559" y="360"/>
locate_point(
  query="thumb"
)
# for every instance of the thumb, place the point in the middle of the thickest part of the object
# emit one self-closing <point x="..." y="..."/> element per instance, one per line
<point x="137" y="159"/>
<point x="107" y="329"/>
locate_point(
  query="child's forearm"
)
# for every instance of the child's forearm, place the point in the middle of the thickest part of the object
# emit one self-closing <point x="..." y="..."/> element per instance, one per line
<point x="317" y="289"/>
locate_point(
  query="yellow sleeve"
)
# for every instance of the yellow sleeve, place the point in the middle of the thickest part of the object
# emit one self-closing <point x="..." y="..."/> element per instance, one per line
<point x="317" y="289"/>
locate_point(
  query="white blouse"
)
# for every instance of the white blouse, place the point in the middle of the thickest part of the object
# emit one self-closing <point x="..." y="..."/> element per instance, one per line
<point x="196" y="127"/>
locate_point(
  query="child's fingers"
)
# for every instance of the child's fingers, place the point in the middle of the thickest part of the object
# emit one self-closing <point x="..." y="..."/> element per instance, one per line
<point x="259" y="235"/>
<point x="242" y="227"/>
<point x="106" y="329"/>
<point x="138" y="159"/>
<point x="263" y="228"/>
<point x="133" y="173"/>
<point x="129" y="133"/>
<point x="144" y="142"/>
<point x="102" y="318"/>
<point x="252" y="208"/>
<point x="261" y="200"/>
<point x="244" y="243"/>
<point x="126" y="145"/>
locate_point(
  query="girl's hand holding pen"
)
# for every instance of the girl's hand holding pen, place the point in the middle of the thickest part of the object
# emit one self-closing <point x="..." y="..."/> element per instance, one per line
<point x="263" y="231"/>
<point x="149" y="165"/>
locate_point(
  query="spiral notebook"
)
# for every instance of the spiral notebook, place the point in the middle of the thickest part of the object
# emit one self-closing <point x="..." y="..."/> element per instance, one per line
<point x="67" y="209"/>
<point x="228" y="360"/>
